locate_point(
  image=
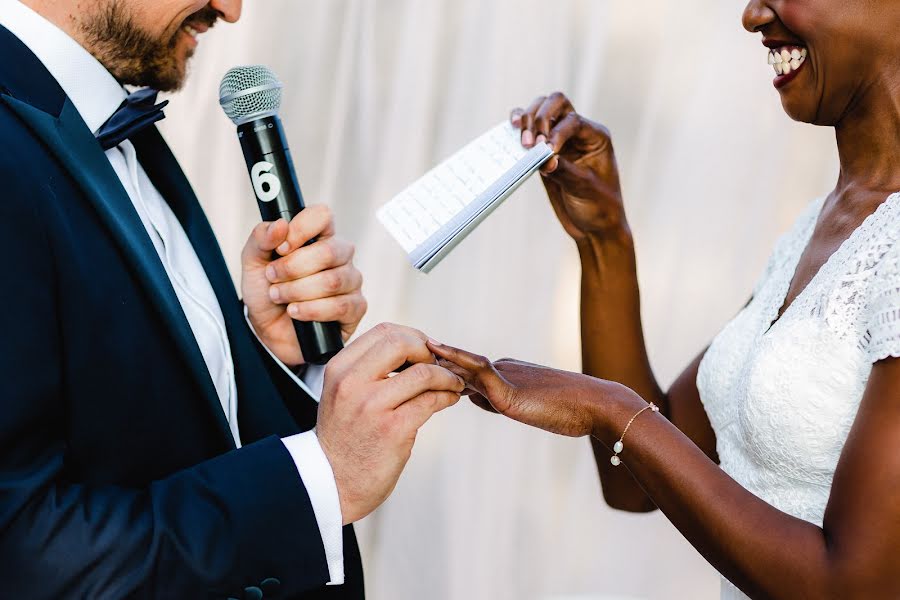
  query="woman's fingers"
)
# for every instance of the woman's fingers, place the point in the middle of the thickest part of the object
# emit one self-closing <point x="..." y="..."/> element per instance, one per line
<point x="473" y="394"/>
<point x="478" y="372"/>
<point x="515" y="117"/>
<point x="466" y="376"/>
<point x="527" y="122"/>
<point x="482" y="403"/>
<point x="537" y="121"/>
<point x="574" y="178"/>
<point x="555" y="108"/>
<point x="564" y="130"/>
<point x="558" y="139"/>
<point x="472" y="363"/>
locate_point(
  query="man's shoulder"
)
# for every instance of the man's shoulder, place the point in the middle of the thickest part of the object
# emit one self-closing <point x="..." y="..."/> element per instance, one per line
<point x="29" y="174"/>
<point x="21" y="149"/>
<point x="24" y="77"/>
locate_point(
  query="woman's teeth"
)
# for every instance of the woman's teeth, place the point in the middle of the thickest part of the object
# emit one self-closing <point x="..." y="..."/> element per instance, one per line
<point x="787" y="59"/>
<point x="190" y="31"/>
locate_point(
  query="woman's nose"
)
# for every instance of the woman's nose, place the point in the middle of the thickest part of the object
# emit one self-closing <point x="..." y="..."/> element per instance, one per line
<point x="757" y="15"/>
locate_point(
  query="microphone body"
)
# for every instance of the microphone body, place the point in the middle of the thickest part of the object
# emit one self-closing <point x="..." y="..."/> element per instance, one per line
<point x="278" y="195"/>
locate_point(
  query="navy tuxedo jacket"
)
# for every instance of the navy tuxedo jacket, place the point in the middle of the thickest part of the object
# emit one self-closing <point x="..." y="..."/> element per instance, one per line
<point x="118" y="474"/>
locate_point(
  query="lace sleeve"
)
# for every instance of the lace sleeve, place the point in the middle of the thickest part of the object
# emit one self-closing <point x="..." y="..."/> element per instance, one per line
<point x="883" y="331"/>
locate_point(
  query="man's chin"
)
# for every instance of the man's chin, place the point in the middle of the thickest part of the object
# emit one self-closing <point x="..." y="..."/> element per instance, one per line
<point x="169" y="76"/>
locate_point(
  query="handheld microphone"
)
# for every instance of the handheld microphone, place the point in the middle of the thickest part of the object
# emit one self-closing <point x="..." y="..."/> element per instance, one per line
<point x="251" y="98"/>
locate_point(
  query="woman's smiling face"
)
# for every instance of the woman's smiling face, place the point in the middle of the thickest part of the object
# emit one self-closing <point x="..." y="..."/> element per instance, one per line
<point x="828" y="55"/>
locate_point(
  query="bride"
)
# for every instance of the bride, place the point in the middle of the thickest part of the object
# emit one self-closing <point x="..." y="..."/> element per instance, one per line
<point x="777" y="452"/>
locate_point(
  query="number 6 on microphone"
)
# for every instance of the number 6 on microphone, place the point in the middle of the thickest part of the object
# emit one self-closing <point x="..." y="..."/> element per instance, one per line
<point x="260" y="176"/>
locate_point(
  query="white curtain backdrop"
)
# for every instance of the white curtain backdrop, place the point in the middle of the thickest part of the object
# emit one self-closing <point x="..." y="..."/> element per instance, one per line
<point x="377" y="91"/>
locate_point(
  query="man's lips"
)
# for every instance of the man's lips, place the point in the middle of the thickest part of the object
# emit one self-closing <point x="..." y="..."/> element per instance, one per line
<point x="194" y="29"/>
<point x="198" y="26"/>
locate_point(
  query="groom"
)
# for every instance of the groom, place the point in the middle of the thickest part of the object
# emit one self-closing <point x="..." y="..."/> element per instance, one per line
<point x="155" y="439"/>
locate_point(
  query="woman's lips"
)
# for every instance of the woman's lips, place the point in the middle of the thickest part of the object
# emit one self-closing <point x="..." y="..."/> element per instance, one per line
<point x="787" y="61"/>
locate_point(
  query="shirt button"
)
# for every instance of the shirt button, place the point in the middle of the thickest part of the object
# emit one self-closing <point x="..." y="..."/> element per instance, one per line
<point x="270" y="585"/>
<point x="253" y="593"/>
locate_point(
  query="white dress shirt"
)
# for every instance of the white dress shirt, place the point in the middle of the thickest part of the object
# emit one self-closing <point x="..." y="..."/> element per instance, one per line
<point x="96" y="95"/>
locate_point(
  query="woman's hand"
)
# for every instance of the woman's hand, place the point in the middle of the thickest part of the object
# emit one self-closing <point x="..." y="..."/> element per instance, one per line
<point x="582" y="180"/>
<point x="556" y="401"/>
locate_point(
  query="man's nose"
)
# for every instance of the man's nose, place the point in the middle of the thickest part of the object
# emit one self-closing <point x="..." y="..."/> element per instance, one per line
<point x="229" y="9"/>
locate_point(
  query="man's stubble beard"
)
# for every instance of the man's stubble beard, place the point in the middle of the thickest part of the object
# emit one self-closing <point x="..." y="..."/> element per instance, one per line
<point x="132" y="55"/>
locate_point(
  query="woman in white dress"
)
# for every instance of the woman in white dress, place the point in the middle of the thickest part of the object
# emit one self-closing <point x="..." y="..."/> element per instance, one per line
<point x="777" y="452"/>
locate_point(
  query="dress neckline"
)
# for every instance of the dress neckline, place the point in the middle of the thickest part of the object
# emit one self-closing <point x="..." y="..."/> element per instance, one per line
<point x="772" y="314"/>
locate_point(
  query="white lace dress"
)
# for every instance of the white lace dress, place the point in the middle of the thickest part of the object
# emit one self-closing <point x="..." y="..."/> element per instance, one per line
<point x="782" y="400"/>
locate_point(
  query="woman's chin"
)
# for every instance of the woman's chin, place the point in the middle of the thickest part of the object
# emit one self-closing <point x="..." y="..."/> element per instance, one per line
<point x="800" y="107"/>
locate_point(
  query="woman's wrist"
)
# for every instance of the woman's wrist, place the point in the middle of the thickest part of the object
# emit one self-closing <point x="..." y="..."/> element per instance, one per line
<point x="607" y="246"/>
<point x="610" y="410"/>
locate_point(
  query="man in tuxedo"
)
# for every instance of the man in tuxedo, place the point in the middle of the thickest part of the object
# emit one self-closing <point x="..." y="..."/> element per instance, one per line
<point x="156" y="440"/>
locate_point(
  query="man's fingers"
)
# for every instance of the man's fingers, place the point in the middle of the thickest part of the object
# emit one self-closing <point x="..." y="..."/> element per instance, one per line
<point x="327" y="253"/>
<point x="515" y="117"/>
<point x="419" y="379"/>
<point x="346" y="308"/>
<point x="264" y="238"/>
<point x="311" y="222"/>
<point x="382" y="350"/>
<point x="325" y="284"/>
<point x="416" y="412"/>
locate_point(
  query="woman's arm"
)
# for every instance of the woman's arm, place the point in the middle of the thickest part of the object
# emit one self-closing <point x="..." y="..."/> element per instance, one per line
<point x="582" y="182"/>
<point x="769" y="554"/>
<point x="613" y="348"/>
<point x="765" y="552"/>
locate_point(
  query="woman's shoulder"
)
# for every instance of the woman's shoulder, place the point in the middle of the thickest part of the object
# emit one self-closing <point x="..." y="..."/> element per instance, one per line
<point x="875" y="253"/>
<point x="870" y="278"/>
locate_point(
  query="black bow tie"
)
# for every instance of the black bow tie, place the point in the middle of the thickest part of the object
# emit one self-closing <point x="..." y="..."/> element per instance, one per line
<point x="137" y="112"/>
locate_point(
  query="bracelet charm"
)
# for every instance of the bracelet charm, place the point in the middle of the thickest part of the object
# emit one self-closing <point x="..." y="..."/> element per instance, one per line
<point x="620" y="445"/>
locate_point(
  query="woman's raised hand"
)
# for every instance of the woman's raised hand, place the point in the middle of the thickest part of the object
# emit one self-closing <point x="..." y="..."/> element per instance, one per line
<point x="582" y="180"/>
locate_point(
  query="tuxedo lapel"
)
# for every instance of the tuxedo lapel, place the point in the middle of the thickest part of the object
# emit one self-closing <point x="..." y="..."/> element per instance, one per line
<point x="261" y="410"/>
<point x="166" y="175"/>
<point x="69" y="139"/>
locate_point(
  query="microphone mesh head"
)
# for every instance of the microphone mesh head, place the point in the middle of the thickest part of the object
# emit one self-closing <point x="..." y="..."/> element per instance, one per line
<point x="250" y="92"/>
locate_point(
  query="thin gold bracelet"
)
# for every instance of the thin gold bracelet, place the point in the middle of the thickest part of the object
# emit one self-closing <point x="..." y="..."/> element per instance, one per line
<point x="619" y="446"/>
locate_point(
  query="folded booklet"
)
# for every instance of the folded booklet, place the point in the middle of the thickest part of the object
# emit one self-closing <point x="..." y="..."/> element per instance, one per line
<point x="434" y="214"/>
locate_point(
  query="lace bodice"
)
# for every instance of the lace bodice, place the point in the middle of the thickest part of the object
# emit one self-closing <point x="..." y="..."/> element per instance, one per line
<point x="782" y="399"/>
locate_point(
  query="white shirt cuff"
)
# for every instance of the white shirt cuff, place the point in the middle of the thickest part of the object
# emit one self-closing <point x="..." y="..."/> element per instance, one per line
<point x="318" y="478"/>
<point x="313" y="380"/>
